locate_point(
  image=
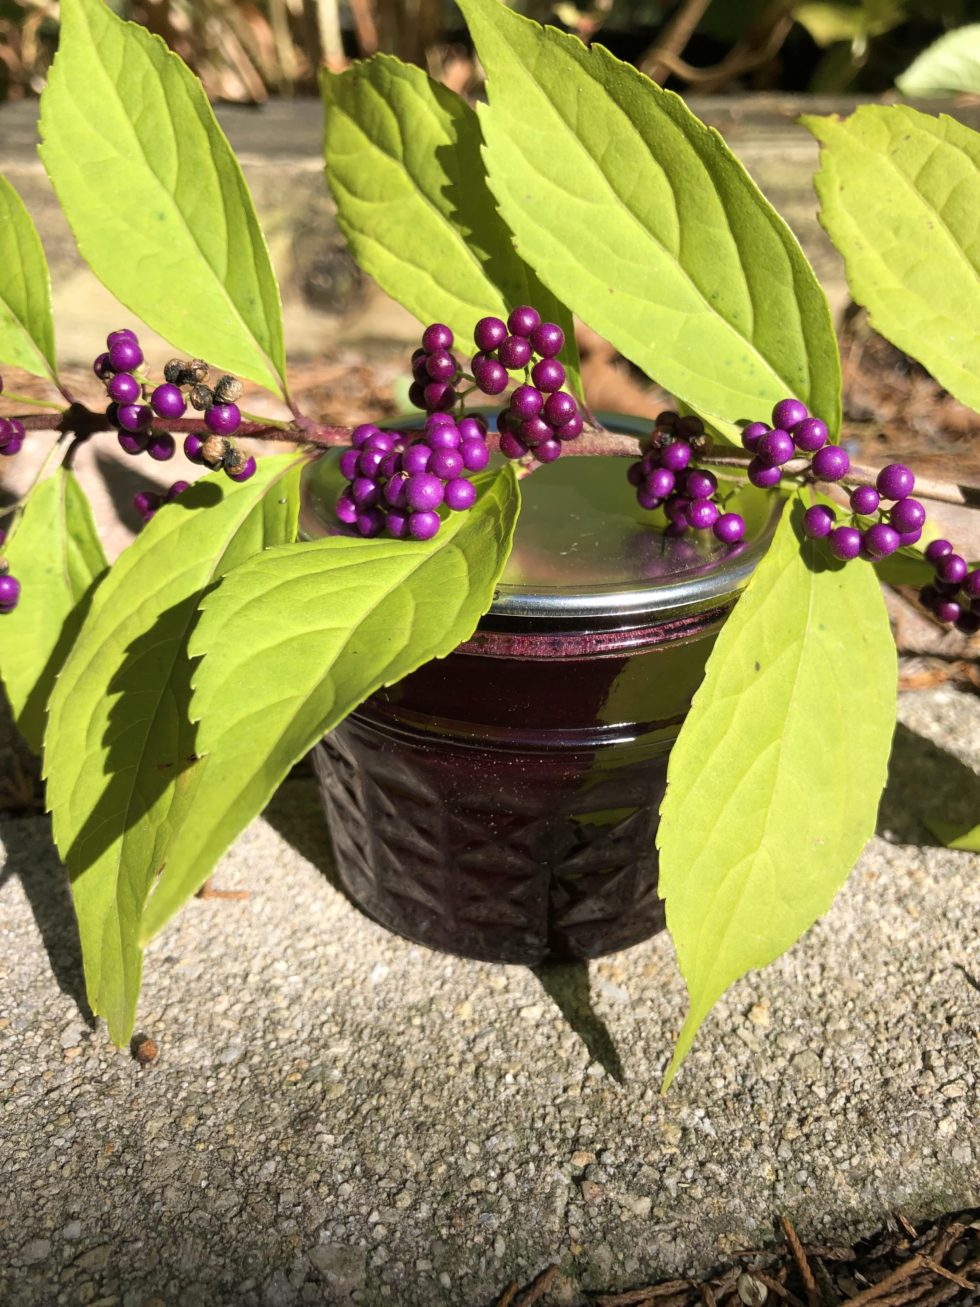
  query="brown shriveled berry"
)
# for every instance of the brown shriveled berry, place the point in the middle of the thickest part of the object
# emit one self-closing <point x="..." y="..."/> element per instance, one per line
<point x="688" y="427"/>
<point x="176" y="372"/>
<point x="227" y="390"/>
<point x="235" y="458"/>
<point x="145" y="1050"/>
<point x="198" y="370"/>
<point x="201" y="397"/>
<point x="214" y="451"/>
<point x="700" y="444"/>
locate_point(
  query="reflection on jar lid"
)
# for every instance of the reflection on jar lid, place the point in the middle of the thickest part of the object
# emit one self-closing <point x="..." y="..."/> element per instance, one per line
<point x="584" y="550"/>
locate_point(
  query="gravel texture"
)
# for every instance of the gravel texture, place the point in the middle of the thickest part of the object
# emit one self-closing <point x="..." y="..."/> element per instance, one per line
<point x="338" y="1115"/>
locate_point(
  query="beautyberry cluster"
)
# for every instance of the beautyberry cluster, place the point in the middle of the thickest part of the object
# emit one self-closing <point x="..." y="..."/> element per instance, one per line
<point x="874" y="532"/>
<point x="540" y="416"/>
<point x="954" y="595"/>
<point x="793" y="432"/>
<point x="666" y="477"/>
<point x="397" y="481"/>
<point x="222" y="417"/>
<point x="435" y="370"/>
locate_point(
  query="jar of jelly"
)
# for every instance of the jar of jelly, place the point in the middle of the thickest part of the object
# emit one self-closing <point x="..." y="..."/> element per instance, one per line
<point x="502" y="803"/>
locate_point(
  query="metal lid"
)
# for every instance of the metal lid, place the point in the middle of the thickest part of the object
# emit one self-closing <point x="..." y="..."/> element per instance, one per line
<point x="584" y="550"/>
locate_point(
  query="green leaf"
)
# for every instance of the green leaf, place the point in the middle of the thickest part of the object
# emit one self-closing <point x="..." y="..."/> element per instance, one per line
<point x="774" y="782"/>
<point x="26" y="328"/>
<point x="948" y="67"/>
<point x="648" y="227"/>
<point x="119" y="751"/>
<point x="296" y="638"/>
<point x="55" y="553"/>
<point x="955" y="837"/>
<point x="404" y="166"/>
<point x="899" y="196"/>
<point x="155" y="196"/>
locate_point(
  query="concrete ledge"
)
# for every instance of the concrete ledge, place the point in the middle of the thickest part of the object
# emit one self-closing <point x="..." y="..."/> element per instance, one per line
<point x="337" y="1115"/>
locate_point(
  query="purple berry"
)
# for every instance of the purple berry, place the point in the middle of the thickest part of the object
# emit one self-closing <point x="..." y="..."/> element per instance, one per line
<point x="676" y="508"/>
<point x="489" y="333"/>
<point x="526" y="402"/>
<point x="676" y="456"/>
<point x="395" y="490"/>
<point x="906" y="538"/>
<point x="369" y="462"/>
<point x="865" y="500"/>
<point x="444" y="436"/>
<point x="349" y="460"/>
<point x="895" y="481"/>
<point x="702" y="514"/>
<point x="161" y="446"/>
<point x="475" y="455"/>
<point x="648" y="501"/>
<point x="809" y="435"/>
<point x="364" y="492"/>
<point x="124" y="333"/>
<point x="102" y="367"/>
<point x="446" y="463"/>
<point x="382" y="442"/>
<point x="571" y="429"/>
<point x="907" y="515"/>
<point x="523" y="320"/>
<point x="788" y="412"/>
<point x="12" y="446"/>
<point x="416" y="394"/>
<point x="972" y="584"/>
<point x="636" y="474"/>
<point x="124" y="355"/>
<point x="6" y="431"/>
<point x="879" y="541"/>
<point x="396" y="524"/>
<point x="441" y="366"/>
<point x="699" y="484"/>
<point x="548" y="340"/>
<point x="948" y="610"/>
<point x="436" y="337"/>
<point x="547" y="451"/>
<point x="844" y="542"/>
<point x="831" y="463"/>
<point x="246" y="472"/>
<point x="472" y="428"/>
<point x="660" y="482"/>
<point x="362" y="434"/>
<point x="369" y="522"/>
<point x="548" y="375"/>
<point x="763" y="475"/>
<point x="512" y="446"/>
<point x="167" y="401"/>
<point x="423" y="491"/>
<point x="776" y="447"/>
<point x="489" y="375"/>
<point x="146" y="503"/>
<point x="423" y="525"/>
<point x="9" y="593"/>
<point x="176" y="490"/>
<point x="559" y="408"/>
<point x="460" y="494"/>
<point x="752" y="434"/>
<point x="515" y="352"/>
<point x="134" y="417"/>
<point x="730" y="528"/>
<point x="193" y="444"/>
<point x="952" y="569"/>
<point x="416" y="458"/>
<point x="346" y="509"/>
<point x="534" y="430"/>
<point x="937" y="549"/>
<point x="818" y="521"/>
<point x="124" y="388"/>
<point x="223" y="419"/>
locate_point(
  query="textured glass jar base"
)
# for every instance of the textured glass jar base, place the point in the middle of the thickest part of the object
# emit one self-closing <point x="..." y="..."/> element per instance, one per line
<point x="505" y="855"/>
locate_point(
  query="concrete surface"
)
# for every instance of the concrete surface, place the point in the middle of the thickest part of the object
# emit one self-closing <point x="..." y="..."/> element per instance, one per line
<point x="337" y="1115"/>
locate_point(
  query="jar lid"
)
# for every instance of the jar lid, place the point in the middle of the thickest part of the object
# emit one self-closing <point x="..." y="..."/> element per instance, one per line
<point x="585" y="550"/>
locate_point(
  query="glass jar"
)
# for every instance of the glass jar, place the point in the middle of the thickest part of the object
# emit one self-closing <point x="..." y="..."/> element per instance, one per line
<point x="502" y="803"/>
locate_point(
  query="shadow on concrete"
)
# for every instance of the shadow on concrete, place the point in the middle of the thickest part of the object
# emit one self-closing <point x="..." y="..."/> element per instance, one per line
<point x="928" y="790"/>
<point x="32" y="857"/>
<point x="296" y="815"/>
<point x="567" y="985"/>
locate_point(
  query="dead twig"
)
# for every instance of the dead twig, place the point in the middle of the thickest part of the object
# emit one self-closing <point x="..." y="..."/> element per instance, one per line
<point x="539" y="1287"/>
<point x="799" y="1256"/>
<point x="508" y="1295"/>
